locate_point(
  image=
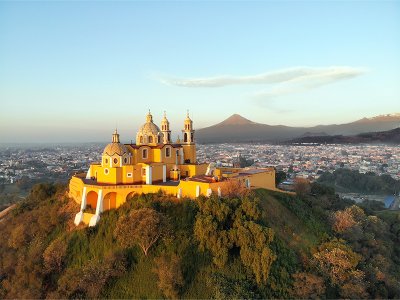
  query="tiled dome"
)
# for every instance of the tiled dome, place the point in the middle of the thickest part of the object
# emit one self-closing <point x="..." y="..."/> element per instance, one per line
<point x="149" y="128"/>
<point x="115" y="148"/>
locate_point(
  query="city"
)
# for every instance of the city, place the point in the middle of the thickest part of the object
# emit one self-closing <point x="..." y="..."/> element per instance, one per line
<point x="59" y="162"/>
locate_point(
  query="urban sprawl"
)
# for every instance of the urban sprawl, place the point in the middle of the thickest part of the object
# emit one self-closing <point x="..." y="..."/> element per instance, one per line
<point x="58" y="163"/>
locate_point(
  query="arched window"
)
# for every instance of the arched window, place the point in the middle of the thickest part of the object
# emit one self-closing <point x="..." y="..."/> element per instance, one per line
<point x="191" y="137"/>
<point x="144" y="153"/>
<point x="115" y="160"/>
<point x="125" y="160"/>
<point x="150" y="139"/>
<point x="141" y="139"/>
<point x="185" y="137"/>
<point x="106" y="161"/>
<point x="159" y="139"/>
<point x="167" y="152"/>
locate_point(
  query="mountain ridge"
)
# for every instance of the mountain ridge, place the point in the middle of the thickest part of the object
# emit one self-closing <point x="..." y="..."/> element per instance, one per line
<point x="240" y="129"/>
<point x="385" y="137"/>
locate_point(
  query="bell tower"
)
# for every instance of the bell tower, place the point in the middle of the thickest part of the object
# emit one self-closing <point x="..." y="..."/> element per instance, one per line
<point x="166" y="132"/>
<point x="189" y="147"/>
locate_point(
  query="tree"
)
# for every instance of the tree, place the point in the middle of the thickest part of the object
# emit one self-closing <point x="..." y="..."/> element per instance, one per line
<point x="54" y="255"/>
<point x="253" y="240"/>
<point x="234" y="188"/>
<point x="17" y="237"/>
<point x="302" y="186"/>
<point x="307" y="285"/>
<point x="342" y="220"/>
<point x="338" y="263"/>
<point x="222" y="224"/>
<point x="209" y="229"/>
<point x="142" y="227"/>
<point x="169" y="273"/>
<point x="280" y="176"/>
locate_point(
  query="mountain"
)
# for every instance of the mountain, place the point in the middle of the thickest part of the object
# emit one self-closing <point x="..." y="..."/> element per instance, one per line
<point x="236" y="119"/>
<point x="382" y="137"/>
<point x="239" y="129"/>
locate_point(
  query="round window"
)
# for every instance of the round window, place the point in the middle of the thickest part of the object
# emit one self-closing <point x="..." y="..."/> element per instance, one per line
<point x="115" y="160"/>
<point x="106" y="171"/>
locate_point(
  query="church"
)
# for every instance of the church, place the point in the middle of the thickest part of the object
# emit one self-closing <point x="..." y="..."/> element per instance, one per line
<point x="152" y="164"/>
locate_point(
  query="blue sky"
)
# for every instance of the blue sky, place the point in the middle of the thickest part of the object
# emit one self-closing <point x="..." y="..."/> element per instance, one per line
<point x="73" y="71"/>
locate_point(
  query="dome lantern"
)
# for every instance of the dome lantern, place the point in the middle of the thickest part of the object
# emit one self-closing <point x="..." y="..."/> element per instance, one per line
<point x="115" y="137"/>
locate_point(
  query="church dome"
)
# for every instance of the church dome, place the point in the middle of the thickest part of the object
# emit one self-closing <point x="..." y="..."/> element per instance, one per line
<point x="115" y="147"/>
<point x="149" y="133"/>
<point x="149" y="128"/>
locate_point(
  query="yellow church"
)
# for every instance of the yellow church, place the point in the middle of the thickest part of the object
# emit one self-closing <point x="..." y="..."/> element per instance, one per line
<point x="152" y="164"/>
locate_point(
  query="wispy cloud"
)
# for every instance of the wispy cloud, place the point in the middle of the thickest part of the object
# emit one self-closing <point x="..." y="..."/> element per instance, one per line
<point x="307" y="76"/>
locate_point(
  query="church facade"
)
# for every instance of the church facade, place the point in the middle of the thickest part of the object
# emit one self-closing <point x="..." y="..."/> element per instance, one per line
<point x="152" y="164"/>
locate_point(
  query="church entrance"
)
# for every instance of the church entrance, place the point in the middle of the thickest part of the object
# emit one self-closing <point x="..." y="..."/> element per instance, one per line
<point x="110" y="201"/>
<point x="91" y="200"/>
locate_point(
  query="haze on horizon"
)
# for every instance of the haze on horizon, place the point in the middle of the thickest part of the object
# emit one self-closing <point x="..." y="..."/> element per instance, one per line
<point x="73" y="71"/>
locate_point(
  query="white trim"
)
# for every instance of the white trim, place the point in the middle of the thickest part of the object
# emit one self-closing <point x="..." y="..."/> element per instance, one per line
<point x="120" y="161"/>
<point x="148" y="175"/>
<point x="182" y="158"/>
<point x="209" y="192"/>
<point x="164" y="172"/>
<point x="83" y="201"/>
<point x="248" y="184"/>
<point x="78" y="218"/>
<point x="99" y="207"/>
<point x="94" y="220"/>
<point x="197" y="190"/>
<point x="88" y="174"/>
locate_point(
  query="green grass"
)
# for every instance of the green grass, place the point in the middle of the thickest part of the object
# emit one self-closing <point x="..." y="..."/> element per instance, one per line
<point x="292" y="220"/>
<point x="140" y="282"/>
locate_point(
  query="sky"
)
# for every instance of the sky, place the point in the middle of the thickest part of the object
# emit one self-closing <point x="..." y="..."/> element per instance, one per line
<point x="73" y="71"/>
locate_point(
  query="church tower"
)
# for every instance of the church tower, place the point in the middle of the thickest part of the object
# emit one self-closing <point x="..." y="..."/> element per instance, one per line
<point x="189" y="147"/>
<point x="166" y="132"/>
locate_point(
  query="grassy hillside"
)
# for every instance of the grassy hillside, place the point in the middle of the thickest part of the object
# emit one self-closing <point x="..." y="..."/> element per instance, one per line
<point x="45" y="255"/>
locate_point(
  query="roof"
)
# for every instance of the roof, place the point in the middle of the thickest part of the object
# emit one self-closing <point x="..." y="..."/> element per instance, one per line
<point x="202" y="178"/>
<point x="160" y="146"/>
<point x="389" y="200"/>
<point x="253" y="171"/>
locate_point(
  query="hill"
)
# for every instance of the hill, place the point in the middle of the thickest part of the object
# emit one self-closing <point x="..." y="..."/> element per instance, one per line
<point x="239" y="129"/>
<point x="256" y="245"/>
<point x="382" y="137"/>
